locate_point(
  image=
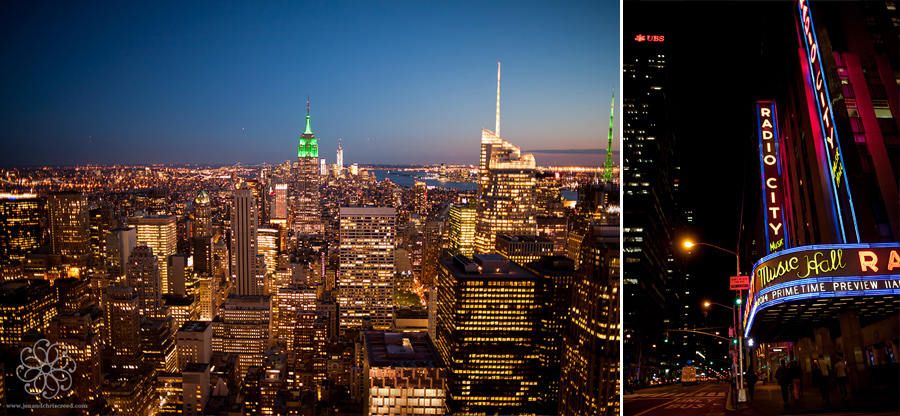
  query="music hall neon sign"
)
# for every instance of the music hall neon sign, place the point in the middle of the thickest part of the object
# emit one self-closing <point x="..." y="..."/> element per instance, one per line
<point x="840" y="189"/>
<point x="823" y="271"/>
<point x="770" y="170"/>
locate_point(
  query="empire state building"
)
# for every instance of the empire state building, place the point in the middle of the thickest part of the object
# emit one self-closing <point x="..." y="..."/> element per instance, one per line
<point x="306" y="220"/>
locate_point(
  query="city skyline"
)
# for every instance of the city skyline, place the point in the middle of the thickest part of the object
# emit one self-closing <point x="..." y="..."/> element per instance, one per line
<point x="398" y="84"/>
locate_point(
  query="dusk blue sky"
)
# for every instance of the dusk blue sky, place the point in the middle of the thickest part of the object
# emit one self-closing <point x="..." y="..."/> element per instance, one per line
<point x="223" y="82"/>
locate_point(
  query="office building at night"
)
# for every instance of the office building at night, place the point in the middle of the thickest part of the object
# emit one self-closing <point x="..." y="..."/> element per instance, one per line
<point x="70" y="228"/>
<point x="650" y="215"/>
<point x="306" y="215"/>
<point x="462" y="229"/>
<point x="246" y="270"/>
<point x="243" y="327"/>
<point x="202" y="224"/>
<point x="589" y="381"/>
<point x="506" y="190"/>
<point x="20" y="226"/>
<point x="366" y="283"/>
<point x="488" y="331"/>
<point x="404" y="374"/>
<point x="142" y="273"/>
<point x="158" y="233"/>
<point x="523" y="249"/>
<point x="193" y="343"/>
<point x="123" y="323"/>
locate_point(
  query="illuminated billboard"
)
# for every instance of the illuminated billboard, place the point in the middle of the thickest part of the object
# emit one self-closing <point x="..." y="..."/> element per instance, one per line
<point x="822" y="120"/>
<point x="770" y="171"/>
<point x="823" y="271"/>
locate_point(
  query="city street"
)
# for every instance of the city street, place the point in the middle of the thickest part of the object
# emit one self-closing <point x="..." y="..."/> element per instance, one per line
<point x="703" y="399"/>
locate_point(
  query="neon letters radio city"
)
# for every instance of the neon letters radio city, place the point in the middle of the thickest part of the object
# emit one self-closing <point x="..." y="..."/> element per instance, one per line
<point x="770" y="169"/>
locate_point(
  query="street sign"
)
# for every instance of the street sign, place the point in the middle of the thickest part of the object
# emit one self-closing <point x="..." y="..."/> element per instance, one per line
<point x="740" y="282"/>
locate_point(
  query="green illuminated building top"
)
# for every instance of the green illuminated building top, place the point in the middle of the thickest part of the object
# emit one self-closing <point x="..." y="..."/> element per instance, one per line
<point x="309" y="146"/>
<point x="607" y="174"/>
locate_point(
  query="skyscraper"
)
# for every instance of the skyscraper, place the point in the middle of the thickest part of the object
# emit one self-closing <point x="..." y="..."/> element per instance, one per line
<point x="158" y="233"/>
<point x="366" y="283"/>
<point x="248" y="279"/>
<point x="143" y="274"/>
<point x="340" y="158"/>
<point x="202" y="215"/>
<point x="462" y="229"/>
<point x="69" y="227"/>
<point x="123" y="321"/>
<point x="20" y="226"/>
<point x="589" y="379"/>
<point x="650" y="214"/>
<point x="306" y="219"/>
<point x="506" y="188"/>
<point x="492" y="352"/>
<point x="506" y="192"/>
<point x="421" y="198"/>
<point x="281" y="209"/>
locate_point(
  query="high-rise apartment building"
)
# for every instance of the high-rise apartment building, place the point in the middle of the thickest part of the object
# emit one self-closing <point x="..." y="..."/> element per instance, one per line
<point x="20" y="226"/>
<point x="119" y="243"/>
<point x="492" y="352"/>
<point x="243" y="327"/>
<point x="248" y="278"/>
<point x="70" y="227"/>
<point x="123" y="321"/>
<point x="306" y="215"/>
<point x="366" y="284"/>
<point x="286" y="303"/>
<point x="339" y="158"/>
<point x="142" y="272"/>
<point x="421" y="198"/>
<point x="159" y="233"/>
<point x="76" y="332"/>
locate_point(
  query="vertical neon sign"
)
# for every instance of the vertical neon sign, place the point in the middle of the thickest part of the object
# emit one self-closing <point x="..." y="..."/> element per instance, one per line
<point x="840" y="191"/>
<point x="770" y="171"/>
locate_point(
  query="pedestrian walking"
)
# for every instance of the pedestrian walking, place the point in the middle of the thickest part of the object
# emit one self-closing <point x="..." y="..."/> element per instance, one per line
<point x="840" y="372"/>
<point x="820" y="376"/>
<point x="796" y="376"/>
<point x="750" y="377"/>
<point x="783" y="376"/>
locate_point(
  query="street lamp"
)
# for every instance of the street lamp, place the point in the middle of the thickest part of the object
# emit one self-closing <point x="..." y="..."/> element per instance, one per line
<point x="742" y="393"/>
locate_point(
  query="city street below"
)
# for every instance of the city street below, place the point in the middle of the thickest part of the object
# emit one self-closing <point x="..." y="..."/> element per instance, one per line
<point x="711" y="398"/>
<point x="704" y="399"/>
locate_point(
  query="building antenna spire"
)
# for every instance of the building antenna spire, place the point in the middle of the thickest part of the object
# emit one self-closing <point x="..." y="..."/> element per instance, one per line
<point x="307" y="104"/>
<point x="497" y="126"/>
<point x="607" y="174"/>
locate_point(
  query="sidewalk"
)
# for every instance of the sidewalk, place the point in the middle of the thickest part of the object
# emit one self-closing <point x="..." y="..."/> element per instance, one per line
<point x="767" y="401"/>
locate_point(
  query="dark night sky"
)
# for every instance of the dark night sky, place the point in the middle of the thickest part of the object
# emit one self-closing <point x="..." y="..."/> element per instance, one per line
<point x="225" y="82"/>
<point x="713" y="51"/>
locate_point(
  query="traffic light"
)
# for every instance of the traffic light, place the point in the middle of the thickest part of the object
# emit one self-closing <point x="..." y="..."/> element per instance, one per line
<point x="667" y="336"/>
<point x="737" y="301"/>
<point x="734" y="341"/>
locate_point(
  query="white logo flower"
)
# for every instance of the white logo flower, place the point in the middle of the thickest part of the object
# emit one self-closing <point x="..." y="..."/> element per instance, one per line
<point x="47" y="369"/>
